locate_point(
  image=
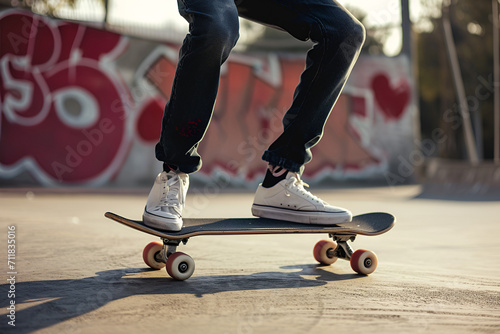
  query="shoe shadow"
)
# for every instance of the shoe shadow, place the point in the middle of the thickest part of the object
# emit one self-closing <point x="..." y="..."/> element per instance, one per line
<point x="56" y="301"/>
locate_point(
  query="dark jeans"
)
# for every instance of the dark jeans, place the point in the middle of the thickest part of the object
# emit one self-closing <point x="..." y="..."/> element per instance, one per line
<point x="213" y="32"/>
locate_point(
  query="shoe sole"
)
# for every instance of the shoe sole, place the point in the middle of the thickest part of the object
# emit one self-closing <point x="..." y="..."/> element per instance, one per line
<point x="304" y="217"/>
<point x="161" y="223"/>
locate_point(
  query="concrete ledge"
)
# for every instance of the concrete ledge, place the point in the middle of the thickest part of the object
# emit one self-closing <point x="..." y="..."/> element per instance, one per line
<point x="461" y="178"/>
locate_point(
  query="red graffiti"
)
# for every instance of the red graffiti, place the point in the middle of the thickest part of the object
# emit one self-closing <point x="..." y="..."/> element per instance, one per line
<point x="148" y="126"/>
<point x="392" y="101"/>
<point x="63" y="113"/>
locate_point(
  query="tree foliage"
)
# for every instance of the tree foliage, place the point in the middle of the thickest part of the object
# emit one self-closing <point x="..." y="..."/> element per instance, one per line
<point x="472" y="28"/>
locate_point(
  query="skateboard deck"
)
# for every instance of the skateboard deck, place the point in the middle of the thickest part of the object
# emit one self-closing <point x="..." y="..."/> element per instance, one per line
<point x="366" y="224"/>
<point x="180" y="266"/>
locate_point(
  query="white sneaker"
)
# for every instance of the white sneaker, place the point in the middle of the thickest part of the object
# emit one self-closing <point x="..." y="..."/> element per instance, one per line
<point x="166" y="201"/>
<point x="288" y="200"/>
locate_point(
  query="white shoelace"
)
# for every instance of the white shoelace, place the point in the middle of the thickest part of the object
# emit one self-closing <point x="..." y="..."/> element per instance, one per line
<point x="170" y="194"/>
<point x="295" y="182"/>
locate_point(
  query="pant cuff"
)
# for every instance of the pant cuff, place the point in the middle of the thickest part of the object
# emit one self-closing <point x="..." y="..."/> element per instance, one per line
<point x="276" y="160"/>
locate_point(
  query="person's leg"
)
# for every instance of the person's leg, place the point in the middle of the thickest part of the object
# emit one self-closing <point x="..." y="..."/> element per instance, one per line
<point x="213" y="32"/>
<point x="338" y="38"/>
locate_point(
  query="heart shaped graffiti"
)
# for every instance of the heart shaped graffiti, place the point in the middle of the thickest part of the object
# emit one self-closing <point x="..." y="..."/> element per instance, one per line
<point x="391" y="100"/>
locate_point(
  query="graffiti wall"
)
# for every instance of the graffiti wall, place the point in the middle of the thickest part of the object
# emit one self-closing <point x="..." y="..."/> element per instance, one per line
<point x="83" y="106"/>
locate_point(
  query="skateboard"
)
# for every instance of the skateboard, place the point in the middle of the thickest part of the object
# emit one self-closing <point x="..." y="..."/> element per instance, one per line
<point x="180" y="266"/>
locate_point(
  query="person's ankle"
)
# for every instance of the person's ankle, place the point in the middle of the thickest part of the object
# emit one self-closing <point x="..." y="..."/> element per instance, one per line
<point x="167" y="167"/>
<point x="274" y="175"/>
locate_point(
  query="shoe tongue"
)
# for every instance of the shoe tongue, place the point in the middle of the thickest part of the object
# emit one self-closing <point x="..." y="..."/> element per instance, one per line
<point x="173" y="184"/>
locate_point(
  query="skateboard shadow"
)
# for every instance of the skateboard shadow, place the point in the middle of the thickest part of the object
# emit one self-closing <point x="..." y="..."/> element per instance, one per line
<point x="321" y="273"/>
<point x="42" y="304"/>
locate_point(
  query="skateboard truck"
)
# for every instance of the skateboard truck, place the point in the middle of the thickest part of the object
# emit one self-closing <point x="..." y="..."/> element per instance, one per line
<point x="170" y="247"/>
<point x="344" y="249"/>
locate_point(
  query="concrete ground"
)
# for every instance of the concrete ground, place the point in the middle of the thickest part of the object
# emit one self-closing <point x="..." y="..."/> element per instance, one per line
<point x="78" y="272"/>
